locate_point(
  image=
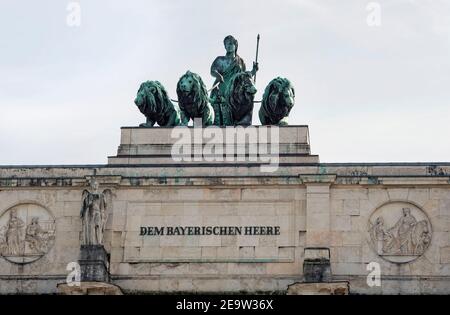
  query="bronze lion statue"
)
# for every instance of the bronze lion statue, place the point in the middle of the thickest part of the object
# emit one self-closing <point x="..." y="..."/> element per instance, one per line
<point x="153" y="101"/>
<point x="277" y="102"/>
<point x="193" y="99"/>
<point x="240" y="94"/>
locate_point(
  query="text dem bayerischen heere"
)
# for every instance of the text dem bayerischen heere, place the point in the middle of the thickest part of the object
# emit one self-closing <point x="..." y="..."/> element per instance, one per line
<point x="209" y="230"/>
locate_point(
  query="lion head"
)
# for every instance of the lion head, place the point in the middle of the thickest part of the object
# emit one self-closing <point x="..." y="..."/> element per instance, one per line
<point x="192" y="94"/>
<point x="152" y="98"/>
<point x="278" y="100"/>
<point x="240" y="95"/>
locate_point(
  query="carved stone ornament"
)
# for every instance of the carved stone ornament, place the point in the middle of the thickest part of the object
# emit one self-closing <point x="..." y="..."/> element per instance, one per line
<point x="399" y="232"/>
<point x="27" y="232"/>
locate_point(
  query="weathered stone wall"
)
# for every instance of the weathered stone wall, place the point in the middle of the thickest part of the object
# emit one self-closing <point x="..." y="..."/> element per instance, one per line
<point x="315" y="209"/>
<point x="355" y="210"/>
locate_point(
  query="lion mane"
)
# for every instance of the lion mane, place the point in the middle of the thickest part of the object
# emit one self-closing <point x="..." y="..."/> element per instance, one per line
<point x="274" y="109"/>
<point x="239" y="99"/>
<point x="153" y="101"/>
<point x="195" y="104"/>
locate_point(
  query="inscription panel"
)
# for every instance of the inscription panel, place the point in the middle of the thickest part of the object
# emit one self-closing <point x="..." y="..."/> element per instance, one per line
<point x="210" y="232"/>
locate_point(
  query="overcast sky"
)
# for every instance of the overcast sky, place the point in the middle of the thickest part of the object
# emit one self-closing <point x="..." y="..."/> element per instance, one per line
<point x="368" y="93"/>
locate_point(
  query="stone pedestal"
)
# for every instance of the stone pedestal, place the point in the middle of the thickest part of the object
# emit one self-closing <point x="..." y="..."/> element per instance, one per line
<point x="325" y="288"/>
<point x="316" y="265"/>
<point x="89" y="288"/>
<point x="317" y="274"/>
<point x="155" y="146"/>
<point x="94" y="263"/>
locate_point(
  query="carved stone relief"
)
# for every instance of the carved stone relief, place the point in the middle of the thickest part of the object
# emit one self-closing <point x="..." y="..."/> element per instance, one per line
<point x="399" y="232"/>
<point x="27" y="232"/>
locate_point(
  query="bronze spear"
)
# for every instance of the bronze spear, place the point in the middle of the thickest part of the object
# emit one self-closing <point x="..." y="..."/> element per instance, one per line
<point x="257" y="51"/>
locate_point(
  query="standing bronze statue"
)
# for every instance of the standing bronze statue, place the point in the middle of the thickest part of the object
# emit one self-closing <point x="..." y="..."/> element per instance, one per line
<point x="223" y="69"/>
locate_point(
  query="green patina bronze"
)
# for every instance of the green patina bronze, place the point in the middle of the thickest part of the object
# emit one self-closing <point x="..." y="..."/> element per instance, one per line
<point x="153" y="101"/>
<point x="231" y="100"/>
<point x="223" y="69"/>
<point x="239" y="97"/>
<point x="193" y="99"/>
<point x="278" y="100"/>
